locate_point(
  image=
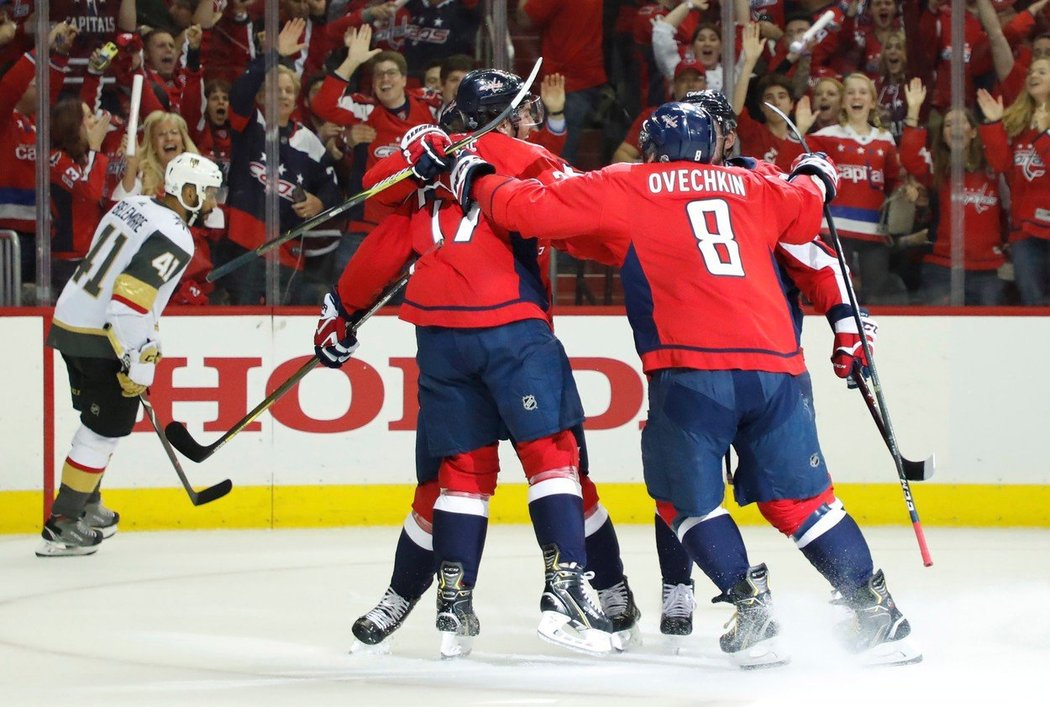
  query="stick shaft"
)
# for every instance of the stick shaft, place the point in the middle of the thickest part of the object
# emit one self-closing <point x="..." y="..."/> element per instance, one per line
<point x="133" y="115"/>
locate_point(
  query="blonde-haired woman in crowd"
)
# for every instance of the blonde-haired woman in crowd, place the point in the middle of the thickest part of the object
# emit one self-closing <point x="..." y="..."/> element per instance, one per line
<point x="164" y="135"/>
<point x="1018" y="144"/>
<point x="869" y="170"/>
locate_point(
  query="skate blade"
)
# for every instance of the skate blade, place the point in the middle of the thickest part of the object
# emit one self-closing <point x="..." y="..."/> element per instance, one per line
<point x="557" y="629"/>
<point x="107" y="532"/>
<point x="360" y="648"/>
<point x="674" y="644"/>
<point x="627" y="639"/>
<point x="453" y="645"/>
<point x="48" y="548"/>
<point x="902" y="652"/>
<point x="764" y="654"/>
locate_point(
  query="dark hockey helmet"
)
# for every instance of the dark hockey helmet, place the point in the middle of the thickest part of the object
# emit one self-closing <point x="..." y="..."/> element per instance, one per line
<point x="450" y="119"/>
<point x="485" y="93"/>
<point x="717" y="105"/>
<point x="680" y="131"/>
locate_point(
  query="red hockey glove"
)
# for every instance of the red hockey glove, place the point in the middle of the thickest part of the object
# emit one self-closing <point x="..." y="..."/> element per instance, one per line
<point x="467" y="168"/>
<point x="424" y="147"/>
<point x="818" y="166"/>
<point x="847" y="353"/>
<point x="334" y="341"/>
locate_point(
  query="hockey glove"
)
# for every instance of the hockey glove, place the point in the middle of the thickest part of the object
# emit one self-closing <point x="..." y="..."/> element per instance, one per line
<point x="467" y="168"/>
<point x="138" y="367"/>
<point x="848" y="354"/>
<point x="424" y="148"/>
<point x="334" y="341"/>
<point x="821" y="169"/>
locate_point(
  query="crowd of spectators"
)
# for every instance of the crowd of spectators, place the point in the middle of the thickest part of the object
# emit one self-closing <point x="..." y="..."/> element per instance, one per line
<point x="871" y="88"/>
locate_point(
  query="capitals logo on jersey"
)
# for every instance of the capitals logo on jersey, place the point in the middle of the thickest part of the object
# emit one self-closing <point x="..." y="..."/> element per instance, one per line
<point x="285" y="188"/>
<point x="981" y="199"/>
<point x="1028" y="160"/>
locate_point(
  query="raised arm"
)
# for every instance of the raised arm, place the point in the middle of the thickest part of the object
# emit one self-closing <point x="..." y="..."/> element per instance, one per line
<point x="1002" y="55"/>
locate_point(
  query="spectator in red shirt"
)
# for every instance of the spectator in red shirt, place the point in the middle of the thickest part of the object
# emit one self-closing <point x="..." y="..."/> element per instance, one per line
<point x="983" y="242"/>
<point x="1018" y="142"/>
<point x="688" y="76"/>
<point x="78" y="175"/>
<point x="827" y="102"/>
<point x="571" y="37"/>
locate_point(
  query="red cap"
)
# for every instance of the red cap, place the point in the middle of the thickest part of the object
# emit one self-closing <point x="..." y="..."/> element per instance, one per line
<point x="687" y="64"/>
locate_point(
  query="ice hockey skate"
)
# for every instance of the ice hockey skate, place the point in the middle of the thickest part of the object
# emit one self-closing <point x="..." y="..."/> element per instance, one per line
<point x="102" y="519"/>
<point x="751" y="640"/>
<point x="374" y="628"/>
<point x="65" y="537"/>
<point x="571" y="613"/>
<point x="456" y="619"/>
<point x="618" y="604"/>
<point x="878" y="633"/>
<point x="676" y="613"/>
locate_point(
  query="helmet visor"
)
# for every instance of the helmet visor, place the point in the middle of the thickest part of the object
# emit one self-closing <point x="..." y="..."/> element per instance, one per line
<point x="529" y="114"/>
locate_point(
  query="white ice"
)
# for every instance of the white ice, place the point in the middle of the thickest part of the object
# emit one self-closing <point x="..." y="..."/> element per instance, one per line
<point x="263" y="618"/>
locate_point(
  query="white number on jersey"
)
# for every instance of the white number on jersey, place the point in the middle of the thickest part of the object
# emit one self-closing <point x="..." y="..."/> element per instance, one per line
<point x="166" y="265"/>
<point x="713" y="230"/>
<point x="465" y="229"/>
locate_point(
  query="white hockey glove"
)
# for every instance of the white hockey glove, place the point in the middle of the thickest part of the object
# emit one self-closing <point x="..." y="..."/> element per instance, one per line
<point x="821" y="169"/>
<point x="139" y="366"/>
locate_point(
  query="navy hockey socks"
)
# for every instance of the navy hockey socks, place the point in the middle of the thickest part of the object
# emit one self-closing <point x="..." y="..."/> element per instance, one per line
<point x="832" y="542"/>
<point x="556" y="509"/>
<point x="460" y="525"/>
<point x="675" y="565"/>
<point x="714" y="543"/>
<point x="603" y="549"/>
<point x="413" y="561"/>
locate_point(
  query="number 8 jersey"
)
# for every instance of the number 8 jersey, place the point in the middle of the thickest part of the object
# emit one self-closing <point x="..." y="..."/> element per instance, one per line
<point x="138" y="253"/>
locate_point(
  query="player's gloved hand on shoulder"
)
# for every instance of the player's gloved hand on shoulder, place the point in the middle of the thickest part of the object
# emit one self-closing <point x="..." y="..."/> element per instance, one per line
<point x="334" y="340"/>
<point x="467" y="168"/>
<point x="820" y="167"/>
<point x="138" y="368"/>
<point x="425" y="148"/>
<point x="847" y="353"/>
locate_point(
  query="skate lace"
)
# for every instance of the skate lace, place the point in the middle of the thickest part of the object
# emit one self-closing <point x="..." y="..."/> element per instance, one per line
<point x="678" y="601"/>
<point x="390" y="609"/>
<point x="614" y="599"/>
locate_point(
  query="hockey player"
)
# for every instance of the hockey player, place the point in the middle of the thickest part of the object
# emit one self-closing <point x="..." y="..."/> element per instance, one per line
<point x="712" y="385"/>
<point x="138" y="254"/>
<point x="483" y="295"/>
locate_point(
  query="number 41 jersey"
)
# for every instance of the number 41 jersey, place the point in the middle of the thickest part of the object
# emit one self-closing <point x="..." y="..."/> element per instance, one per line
<point x="139" y="252"/>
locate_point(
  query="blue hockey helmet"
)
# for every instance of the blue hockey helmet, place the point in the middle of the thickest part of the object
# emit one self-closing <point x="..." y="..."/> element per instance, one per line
<point x="716" y="104"/>
<point x="681" y="131"/>
<point x="485" y="93"/>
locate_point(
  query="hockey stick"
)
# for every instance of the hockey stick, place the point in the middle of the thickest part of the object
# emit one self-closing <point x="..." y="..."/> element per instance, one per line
<point x="198" y="498"/>
<point x="190" y="448"/>
<point x="382" y="185"/>
<point x="913" y="470"/>
<point x="890" y="437"/>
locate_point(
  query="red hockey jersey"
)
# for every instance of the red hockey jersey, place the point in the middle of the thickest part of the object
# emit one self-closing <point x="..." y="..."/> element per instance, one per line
<point x="983" y="239"/>
<point x="482" y="276"/>
<point x="1023" y="160"/>
<point x="695" y="246"/>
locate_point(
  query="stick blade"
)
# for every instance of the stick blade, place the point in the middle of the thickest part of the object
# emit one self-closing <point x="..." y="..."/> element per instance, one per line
<point x="181" y="440"/>
<point x="213" y="493"/>
<point x="919" y="471"/>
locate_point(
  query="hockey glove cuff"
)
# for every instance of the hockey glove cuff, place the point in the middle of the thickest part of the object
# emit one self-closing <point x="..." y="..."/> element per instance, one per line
<point x="848" y="353"/>
<point x="334" y="340"/>
<point x="425" y="147"/>
<point x="138" y="368"/>
<point x="821" y="169"/>
<point x="467" y="168"/>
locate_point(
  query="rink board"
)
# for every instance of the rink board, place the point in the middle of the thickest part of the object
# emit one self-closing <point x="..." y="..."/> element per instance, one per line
<point x="339" y="449"/>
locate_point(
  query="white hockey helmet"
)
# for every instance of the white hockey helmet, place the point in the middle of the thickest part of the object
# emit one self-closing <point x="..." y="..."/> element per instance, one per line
<point x="190" y="168"/>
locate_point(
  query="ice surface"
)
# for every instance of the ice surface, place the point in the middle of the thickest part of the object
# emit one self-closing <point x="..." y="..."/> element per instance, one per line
<point x="263" y="618"/>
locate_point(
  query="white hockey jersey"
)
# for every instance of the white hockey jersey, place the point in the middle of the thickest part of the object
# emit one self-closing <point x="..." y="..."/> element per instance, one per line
<point x="139" y="252"/>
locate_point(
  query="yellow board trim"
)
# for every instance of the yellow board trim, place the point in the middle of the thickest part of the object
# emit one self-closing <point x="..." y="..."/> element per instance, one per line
<point x="948" y="505"/>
